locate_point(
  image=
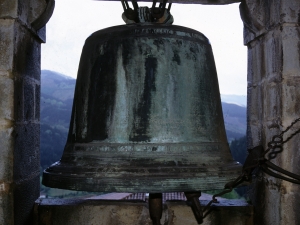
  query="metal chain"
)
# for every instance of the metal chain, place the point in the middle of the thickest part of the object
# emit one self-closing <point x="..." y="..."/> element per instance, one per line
<point x="276" y="147"/>
<point x="277" y="141"/>
<point x="228" y="188"/>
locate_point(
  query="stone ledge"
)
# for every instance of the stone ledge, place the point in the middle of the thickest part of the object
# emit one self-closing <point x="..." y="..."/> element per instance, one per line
<point x="131" y="212"/>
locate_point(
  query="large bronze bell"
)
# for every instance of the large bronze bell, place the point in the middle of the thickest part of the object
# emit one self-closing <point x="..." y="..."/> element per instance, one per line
<point x="147" y="115"/>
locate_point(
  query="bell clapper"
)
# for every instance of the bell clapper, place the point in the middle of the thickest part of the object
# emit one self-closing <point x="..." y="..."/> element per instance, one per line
<point x="155" y="207"/>
<point x="193" y="198"/>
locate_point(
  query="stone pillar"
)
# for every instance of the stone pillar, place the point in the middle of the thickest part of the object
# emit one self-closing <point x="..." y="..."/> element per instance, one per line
<point x="19" y="109"/>
<point x="272" y="34"/>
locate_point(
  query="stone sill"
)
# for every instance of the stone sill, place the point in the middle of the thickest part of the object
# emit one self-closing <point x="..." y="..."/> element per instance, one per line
<point x="131" y="212"/>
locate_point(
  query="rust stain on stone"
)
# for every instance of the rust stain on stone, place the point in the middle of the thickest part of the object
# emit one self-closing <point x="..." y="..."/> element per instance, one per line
<point x="45" y="218"/>
<point x="4" y="188"/>
<point x="293" y="81"/>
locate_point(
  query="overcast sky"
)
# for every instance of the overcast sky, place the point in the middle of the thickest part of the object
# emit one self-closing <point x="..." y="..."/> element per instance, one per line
<point x="74" y="20"/>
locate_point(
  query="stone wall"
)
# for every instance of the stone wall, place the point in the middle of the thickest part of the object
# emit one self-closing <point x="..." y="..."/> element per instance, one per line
<point x="272" y="34"/>
<point x="110" y="212"/>
<point x="19" y="110"/>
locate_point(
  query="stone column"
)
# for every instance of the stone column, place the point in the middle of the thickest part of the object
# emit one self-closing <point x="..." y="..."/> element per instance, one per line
<point x="272" y="34"/>
<point x="19" y="109"/>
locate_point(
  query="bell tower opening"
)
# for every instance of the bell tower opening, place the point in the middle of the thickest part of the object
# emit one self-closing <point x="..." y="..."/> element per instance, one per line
<point x="224" y="34"/>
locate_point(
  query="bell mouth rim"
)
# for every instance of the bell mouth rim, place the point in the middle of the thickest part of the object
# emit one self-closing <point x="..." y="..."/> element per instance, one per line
<point x="137" y="180"/>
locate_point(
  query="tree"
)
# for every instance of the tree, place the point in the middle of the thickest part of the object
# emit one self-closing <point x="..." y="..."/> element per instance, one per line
<point x="238" y="149"/>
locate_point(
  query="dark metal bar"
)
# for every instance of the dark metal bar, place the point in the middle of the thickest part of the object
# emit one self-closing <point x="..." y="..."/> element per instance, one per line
<point x="153" y="4"/>
<point x="280" y="170"/>
<point x="163" y="4"/>
<point x="155" y="207"/>
<point x="193" y="198"/>
<point x="271" y="173"/>
<point x="135" y="5"/>
<point x="123" y="4"/>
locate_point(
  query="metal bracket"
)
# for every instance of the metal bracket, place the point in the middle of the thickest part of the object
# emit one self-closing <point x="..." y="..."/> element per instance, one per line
<point x="130" y="14"/>
<point x="155" y="207"/>
<point x="159" y="14"/>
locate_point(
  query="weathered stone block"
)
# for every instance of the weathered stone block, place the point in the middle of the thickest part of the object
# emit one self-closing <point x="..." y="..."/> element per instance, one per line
<point x="75" y="212"/>
<point x="256" y="68"/>
<point x="273" y="55"/>
<point x="27" y="11"/>
<point x="272" y="201"/>
<point x="37" y="100"/>
<point x="260" y="17"/>
<point x="26" y="153"/>
<point x="254" y="116"/>
<point x="254" y="135"/>
<point x="25" y="194"/>
<point x="27" y="97"/>
<point x="290" y="199"/>
<point x="266" y="197"/>
<point x="277" y="202"/>
<point x="30" y="10"/>
<point x="291" y="51"/>
<point x="6" y="152"/>
<point x="291" y="99"/>
<point x="272" y="104"/>
<point x="268" y="133"/>
<point x="27" y="54"/>
<point x="273" y="13"/>
<point x="179" y="213"/>
<point x="9" y="8"/>
<point x="265" y="59"/>
<point x="7" y="98"/>
<point x="29" y="100"/>
<point x="19" y="101"/>
<point x="255" y="104"/>
<point x="6" y="204"/>
<point x="6" y="45"/>
<point x="290" y="11"/>
<point x="250" y="67"/>
<point x="290" y="157"/>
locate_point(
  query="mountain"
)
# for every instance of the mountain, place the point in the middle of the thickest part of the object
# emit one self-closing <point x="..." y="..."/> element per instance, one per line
<point x="57" y="91"/>
<point x="235" y="120"/>
<point x="57" y="85"/>
<point x="240" y="100"/>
